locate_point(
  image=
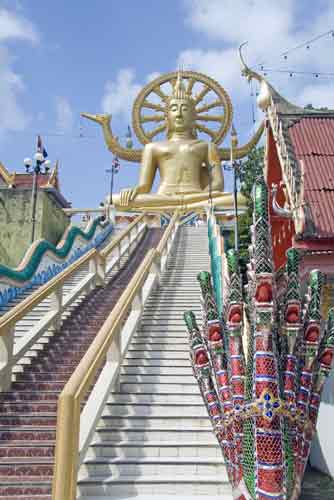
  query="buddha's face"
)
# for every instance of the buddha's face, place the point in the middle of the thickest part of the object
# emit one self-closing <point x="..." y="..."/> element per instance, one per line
<point x="180" y="115"/>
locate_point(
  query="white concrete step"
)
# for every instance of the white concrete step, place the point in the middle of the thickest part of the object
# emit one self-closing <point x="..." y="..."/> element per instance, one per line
<point x="155" y="422"/>
<point x="158" y="326"/>
<point x="184" y="347"/>
<point x="159" y="388"/>
<point x="152" y="362"/>
<point x="155" y="398"/>
<point x="144" y="434"/>
<point x="160" y="466"/>
<point x="155" y="410"/>
<point x="156" y="337"/>
<point x="149" y="449"/>
<point x="160" y="378"/>
<point x="157" y="354"/>
<point x="157" y="370"/>
<point x="162" y="335"/>
<point x="127" y="487"/>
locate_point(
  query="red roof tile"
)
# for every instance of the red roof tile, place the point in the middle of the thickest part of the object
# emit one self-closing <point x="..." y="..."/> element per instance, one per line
<point x="313" y="144"/>
<point x="313" y="136"/>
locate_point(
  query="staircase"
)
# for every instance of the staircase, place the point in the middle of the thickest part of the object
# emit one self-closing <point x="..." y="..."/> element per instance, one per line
<point x="28" y="410"/>
<point x="154" y="437"/>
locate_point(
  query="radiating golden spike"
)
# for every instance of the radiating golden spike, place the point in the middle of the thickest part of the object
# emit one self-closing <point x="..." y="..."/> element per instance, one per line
<point x="160" y="93"/>
<point x="191" y="83"/>
<point x="179" y="90"/>
<point x="207" y="107"/>
<point x="152" y="118"/>
<point x="206" y="130"/>
<point x="172" y="83"/>
<point x="201" y="95"/>
<point x="156" y="131"/>
<point x="155" y="107"/>
<point x="210" y="118"/>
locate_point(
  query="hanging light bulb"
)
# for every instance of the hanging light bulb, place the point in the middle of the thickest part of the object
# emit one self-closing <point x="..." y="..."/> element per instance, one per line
<point x="128" y="141"/>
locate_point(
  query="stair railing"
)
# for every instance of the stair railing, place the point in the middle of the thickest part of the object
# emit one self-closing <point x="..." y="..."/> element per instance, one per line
<point x="100" y="264"/>
<point x="103" y="358"/>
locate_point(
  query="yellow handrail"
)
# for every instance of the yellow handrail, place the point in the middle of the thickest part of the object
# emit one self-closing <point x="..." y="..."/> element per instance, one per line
<point x="113" y="244"/>
<point x="167" y="233"/>
<point x="68" y="418"/>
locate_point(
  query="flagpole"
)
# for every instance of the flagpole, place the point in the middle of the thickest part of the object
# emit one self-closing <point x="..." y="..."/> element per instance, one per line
<point x="40" y="159"/>
<point x="114" y="169"/>
<point x="234" y="143"/>
<point x="33" y="202"/>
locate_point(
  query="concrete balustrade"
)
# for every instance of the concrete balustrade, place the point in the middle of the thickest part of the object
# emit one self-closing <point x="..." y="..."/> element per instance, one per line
<point x="99" y="263"/>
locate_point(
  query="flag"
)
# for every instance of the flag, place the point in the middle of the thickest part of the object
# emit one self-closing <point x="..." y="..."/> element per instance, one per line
<point x="116" y="165"/>
<point x="40" y="147"/>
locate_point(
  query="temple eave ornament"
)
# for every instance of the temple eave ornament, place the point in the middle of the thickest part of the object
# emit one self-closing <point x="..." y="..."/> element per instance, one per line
<point x="189" y="166"/>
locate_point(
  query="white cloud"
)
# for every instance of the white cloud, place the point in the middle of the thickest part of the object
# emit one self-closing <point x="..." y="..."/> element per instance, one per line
<point x="321" y="95"/>
<point x="119" y="95"/>
<point x="12" y="27"/>
<point x="270" y="28"/>
<point x="16" y="27"/>
<point x="12" y="116"/>
<point x="152" y="76"/>
<point x="65" y="116"/>
<point x="234" y="21"/>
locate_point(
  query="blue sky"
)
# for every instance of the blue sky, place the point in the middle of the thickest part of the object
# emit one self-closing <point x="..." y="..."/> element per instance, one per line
<point x="58" y="58"/>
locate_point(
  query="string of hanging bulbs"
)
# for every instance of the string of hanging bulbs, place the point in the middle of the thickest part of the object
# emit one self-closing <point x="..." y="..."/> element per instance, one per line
<point x="307" y="45"/>
<point x="292" y="72"/>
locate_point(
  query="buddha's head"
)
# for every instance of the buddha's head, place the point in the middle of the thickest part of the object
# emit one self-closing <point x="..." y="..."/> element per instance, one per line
<point x="180" y="110"/>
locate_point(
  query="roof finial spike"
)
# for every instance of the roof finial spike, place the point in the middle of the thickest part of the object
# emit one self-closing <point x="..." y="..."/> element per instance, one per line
<point x="234" y="136"/>
<point x="246" y="71"/>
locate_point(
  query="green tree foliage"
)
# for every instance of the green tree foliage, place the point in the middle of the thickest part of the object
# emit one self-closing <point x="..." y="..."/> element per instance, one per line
<point x="248" y="170"/>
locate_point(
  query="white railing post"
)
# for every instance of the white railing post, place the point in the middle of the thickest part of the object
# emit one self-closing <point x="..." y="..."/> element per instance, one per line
<point x="6" y="355"/>
<point x="56" y="298"/>
<point x="114" y="357"/>
<point x="128" y="250"/>
<point x="163" y="259"/>
<point x="137" y="303"/>
<point x="98" y="269"/>
<point x="118" y="255"/>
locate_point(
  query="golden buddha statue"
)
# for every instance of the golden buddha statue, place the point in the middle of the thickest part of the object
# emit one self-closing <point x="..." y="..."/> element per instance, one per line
<point x="189" y="167"/>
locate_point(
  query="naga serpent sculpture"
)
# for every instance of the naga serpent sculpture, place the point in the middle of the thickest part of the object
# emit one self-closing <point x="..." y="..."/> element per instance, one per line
<point x="263" y="407"/>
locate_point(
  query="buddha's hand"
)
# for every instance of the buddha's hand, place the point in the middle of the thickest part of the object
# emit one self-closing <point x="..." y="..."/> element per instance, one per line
<point x="127" y="195"/>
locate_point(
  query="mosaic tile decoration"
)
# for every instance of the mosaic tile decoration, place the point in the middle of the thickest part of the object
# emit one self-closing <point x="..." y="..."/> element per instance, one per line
<point x="263" y="406"/>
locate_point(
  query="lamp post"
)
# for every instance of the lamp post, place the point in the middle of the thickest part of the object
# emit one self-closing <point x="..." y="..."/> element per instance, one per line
<point x="210" y="168"/>
<point x="234" y="167"/>
<point x="36" y="170"/>
<point x="115" y="165"/>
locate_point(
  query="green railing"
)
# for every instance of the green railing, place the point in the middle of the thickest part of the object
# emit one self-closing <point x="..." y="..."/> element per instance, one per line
<point x="216" y="251"/>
